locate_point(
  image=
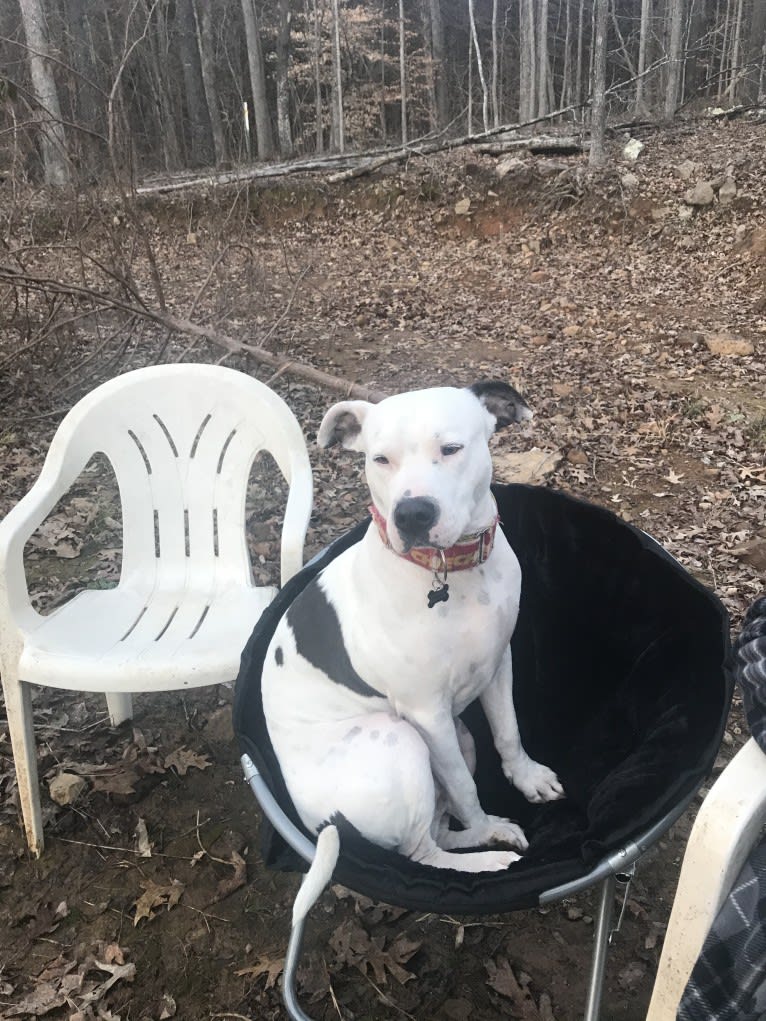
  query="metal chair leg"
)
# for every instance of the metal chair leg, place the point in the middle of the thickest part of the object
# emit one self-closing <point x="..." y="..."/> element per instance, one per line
<point x="600" y="947"/>
<point x="292" y="958"/>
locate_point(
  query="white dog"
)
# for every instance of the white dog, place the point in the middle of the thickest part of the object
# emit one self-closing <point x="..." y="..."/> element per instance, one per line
<point x="372" y="663"/>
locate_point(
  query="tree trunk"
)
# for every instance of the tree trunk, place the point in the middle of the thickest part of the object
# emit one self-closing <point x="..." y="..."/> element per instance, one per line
<point x="440" y="70"/>
<point x="284" y="129"/>
<point x="494" y="83"/>
<point x="204" y="21"/>
<point x="542" y="59"/>
<point x="52" y="137"/>
<point x="157" y="73"/>
<point x="338" y="120"/>
<point x="565" y="96"/>
<point x="756" y="52"/>
<point x="264" y="137"/>
<point x="724" y="54"/>
<point x="580" y="43"/>
<point x="527" y="75"/>
<point x="403" y="69"/>
<point x="479" y="68"/>
<point x="317" y="52"/>
<point x="88" y="106"/>
<point x="200" y="137"/>
<point x="673" y="91"/>
<point x="735" y="52"/>
<point x="598" y="117"/>
<point x="644" y="58"/>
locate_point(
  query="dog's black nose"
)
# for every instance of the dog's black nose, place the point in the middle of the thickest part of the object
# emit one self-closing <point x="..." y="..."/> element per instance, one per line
<point x="414" y="518"/>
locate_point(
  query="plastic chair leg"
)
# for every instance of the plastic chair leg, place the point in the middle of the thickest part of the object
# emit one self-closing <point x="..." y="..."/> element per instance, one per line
<point x="18" y="708"/>
<point x="120" y="706"/>
<point x="600" y="948"/>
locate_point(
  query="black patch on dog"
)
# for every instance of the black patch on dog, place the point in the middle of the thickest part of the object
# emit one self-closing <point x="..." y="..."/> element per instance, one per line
<point x="503" y="401"/>
<point x="278" y="656"/>
<point x="319" y="639"/>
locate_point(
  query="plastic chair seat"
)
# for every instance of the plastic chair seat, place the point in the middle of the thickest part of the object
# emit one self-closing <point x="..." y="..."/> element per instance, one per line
<point x="183" y="639"/>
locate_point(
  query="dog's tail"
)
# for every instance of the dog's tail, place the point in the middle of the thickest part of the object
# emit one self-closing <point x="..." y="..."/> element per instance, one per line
<point x="319" y="874"/>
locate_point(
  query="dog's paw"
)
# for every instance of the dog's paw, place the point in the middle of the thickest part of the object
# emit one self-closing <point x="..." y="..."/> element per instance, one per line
<point x="496" y="861"/>
<point x="536" y="782"/>
<point x="503" y="831"/>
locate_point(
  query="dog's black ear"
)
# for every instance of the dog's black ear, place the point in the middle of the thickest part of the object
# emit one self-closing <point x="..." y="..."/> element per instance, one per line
<point x="502" y="401"/>
<point x="343" y="424"/>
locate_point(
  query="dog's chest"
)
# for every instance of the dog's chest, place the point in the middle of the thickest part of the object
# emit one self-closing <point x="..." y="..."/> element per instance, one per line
<point x="415" y="654"/>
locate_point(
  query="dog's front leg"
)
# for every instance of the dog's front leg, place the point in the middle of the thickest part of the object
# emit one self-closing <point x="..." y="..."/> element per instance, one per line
<point x="454" y="776"/>
<point x="536" y="782"/>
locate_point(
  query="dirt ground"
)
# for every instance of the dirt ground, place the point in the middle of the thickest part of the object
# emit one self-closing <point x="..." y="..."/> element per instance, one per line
<point x="635" y="323"/>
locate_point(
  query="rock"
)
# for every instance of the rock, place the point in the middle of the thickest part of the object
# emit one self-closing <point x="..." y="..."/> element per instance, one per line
<point x="509" y="165"/>
<point x="66" y="788"/>
<point x="462" y="207"/>
<point x="701" y="194"/>
<point x="727" y="345"/>
<point x="686" y="170"/>
<point x="685" y="213"/>
<point x="574" y="914"/>
<point x="728" y="190"/>
<point x="529" y="466"/>
<point x="629" y="182"/>
<point x="632" y="150"/>
<point x="572" y="331"/>
<point x="753" y="553"/>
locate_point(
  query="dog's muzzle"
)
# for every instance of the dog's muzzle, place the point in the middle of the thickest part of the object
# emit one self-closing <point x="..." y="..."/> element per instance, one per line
<point x="414" y="517"/>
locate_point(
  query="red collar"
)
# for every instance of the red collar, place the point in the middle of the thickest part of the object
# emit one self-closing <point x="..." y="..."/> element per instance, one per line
<point x="469" y="551"/>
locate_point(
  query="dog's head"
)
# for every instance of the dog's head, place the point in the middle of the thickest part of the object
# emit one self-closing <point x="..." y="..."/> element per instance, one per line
<point x="428" y="463"/>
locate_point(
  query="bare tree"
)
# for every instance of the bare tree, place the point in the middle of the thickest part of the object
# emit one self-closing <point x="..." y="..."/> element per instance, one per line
<point x="338" y="119"/>
<point x="204" y="22"/>
<point x="284" y="129"/>
<point x="753" y="84"/>
<point x="403" y="69"/>
<point x="644" y="57"/>
<point x="317" y="58"/>
<point x="264" y="137"/>
<point x="494" y="77"/>
<point x="598" y="114"/>
<point x="52" y="136"/>
<point x="527" y="74"/>
<point x="542" y="59"/>
<point x="479" y="67"/>
<point x="438" y="50"/>
<point x="673" y="87"/>
<point x="196" y="103"/>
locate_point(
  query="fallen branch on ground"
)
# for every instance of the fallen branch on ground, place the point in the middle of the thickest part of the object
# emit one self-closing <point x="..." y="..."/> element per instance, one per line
<point x="280" y="363"/>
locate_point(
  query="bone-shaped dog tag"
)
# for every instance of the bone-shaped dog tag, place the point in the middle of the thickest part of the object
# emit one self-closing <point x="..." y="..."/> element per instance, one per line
<point x="438" y="595"/>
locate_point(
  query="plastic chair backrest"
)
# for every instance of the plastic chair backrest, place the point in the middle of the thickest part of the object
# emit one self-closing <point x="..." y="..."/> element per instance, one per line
<point x="181" y="440"/>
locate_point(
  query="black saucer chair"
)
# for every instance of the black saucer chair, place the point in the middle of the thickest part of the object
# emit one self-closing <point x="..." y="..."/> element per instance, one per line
<point x="620" y="686"/>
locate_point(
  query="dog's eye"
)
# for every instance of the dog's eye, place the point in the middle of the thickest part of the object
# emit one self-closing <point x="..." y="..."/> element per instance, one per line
<point x="451" y="448"/>
<point x="380" y="459"/>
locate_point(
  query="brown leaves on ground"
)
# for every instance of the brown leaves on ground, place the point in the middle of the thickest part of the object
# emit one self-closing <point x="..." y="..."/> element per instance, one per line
<point x="66" y="983"/>
<point x="271" y="967"/>
<point x="183" y="759"/>
<point x="352" y="945"/>
<point x="502" y="979"/>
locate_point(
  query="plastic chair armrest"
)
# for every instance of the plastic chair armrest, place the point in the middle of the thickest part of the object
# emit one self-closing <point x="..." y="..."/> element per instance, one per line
<point x="726" y="828"/>
<point x="296" y="522"/>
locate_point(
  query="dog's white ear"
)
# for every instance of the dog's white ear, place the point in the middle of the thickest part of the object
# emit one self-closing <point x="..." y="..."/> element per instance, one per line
<point x="502" y="401"/>
<point x="343" y="424"/>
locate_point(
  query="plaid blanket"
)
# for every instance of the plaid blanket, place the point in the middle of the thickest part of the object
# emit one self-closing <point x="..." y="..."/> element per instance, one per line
<point x="728" y="982"/>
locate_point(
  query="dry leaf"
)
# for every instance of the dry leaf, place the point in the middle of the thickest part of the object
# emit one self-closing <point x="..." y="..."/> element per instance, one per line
<point x="271" y="967"/>
<point x="143" y="844"/>
<point x="155" y="897"/>
<point x="183" y="759"/>
<point x="227" y="886"/>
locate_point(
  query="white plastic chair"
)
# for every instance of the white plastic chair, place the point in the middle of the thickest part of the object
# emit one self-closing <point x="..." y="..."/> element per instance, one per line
<point x="726" y="828"/>
<point x="181" y="440"/>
